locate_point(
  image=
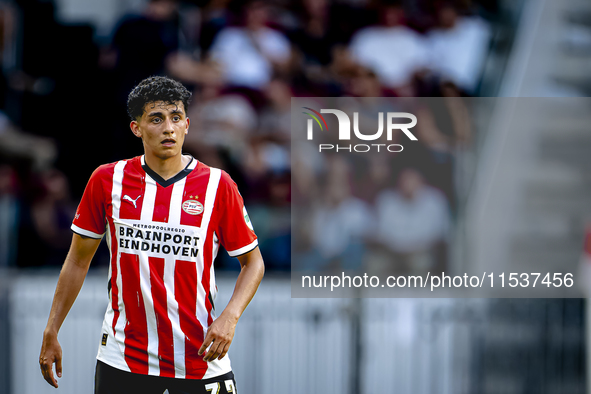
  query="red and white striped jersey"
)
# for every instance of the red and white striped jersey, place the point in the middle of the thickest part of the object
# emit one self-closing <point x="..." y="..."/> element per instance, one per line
<point x="163" y="237"/>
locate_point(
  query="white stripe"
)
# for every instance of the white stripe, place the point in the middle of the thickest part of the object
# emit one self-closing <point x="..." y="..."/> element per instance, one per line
<point x="117" y="188"/>
<point x="108" y="239"/>
<point x="215" y="245"/>
<point x="149" y="199"/>
<point x="176" y="201"/>
<point x="212" y="188"/>
<point x="86" y="233"/>
<point x="116" y="203"/>
<point x="173" y="315"/>
<point x="210" y="194"/>
<point x="146" y="287"/>
<point x="193" y="164"/>
<point x="244" y="249"/>
<point x="174" y="219"/>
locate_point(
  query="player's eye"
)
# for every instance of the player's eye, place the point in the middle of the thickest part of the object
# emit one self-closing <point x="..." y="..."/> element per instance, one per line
<point x="156" y="120"/>
<point x="176" y="118"/>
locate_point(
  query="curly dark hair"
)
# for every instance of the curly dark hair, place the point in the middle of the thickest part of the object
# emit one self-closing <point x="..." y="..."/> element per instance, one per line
<point x="154" y="89"/>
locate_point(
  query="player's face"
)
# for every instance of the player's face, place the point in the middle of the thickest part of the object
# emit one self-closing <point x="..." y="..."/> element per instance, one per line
<point x="162" y="128"/>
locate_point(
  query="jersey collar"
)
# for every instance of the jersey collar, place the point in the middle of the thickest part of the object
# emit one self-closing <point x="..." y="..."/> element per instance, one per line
<point x="167" y="182"/>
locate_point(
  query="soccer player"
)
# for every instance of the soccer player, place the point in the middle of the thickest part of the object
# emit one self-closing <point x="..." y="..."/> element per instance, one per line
<point x="164" y="215"/>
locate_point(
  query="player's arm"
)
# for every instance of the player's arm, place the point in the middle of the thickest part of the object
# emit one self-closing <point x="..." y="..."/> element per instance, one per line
<point x="69" y="284"/>
<point x="221" y="331"/>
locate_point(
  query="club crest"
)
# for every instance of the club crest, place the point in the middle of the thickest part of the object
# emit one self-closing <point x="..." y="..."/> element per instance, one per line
<point x="193" y="207"/>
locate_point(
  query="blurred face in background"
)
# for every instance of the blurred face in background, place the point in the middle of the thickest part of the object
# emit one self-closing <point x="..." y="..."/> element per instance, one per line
<point x="162" y="10"/>
<point x="365" y="84"/>
<point x="338" y="188"/>
<point x="447" y="16"/>
<point x="56" y="185"/>
<point x="316" y="8"/>
<point x="7" y="180"/>
<point x="257" y="14"/>
<point x="393" y="16"/>
<point x="279" y="93"/>
<point x="410" y="182"/>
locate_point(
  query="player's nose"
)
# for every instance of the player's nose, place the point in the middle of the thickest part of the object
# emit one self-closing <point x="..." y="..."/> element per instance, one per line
<point x="168" y="126"/>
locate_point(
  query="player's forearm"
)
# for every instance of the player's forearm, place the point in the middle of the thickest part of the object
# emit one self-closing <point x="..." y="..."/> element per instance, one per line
<point x="70" y="280"/>
<point x="68" y="286"/>
<point x="247" y="284"/>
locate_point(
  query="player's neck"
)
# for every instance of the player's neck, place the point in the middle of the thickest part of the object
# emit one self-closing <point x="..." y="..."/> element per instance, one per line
<point x="169" y="167"/>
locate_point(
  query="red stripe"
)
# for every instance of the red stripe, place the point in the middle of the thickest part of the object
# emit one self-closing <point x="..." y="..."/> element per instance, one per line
<point x="165" y="341"/>
<point x="205" y="277"/>
<point x="107" y="190"/>
<point x="162" y="203"/>
<point x="114" y="288"/>
<point x="185" y="289"/>
<point x="136" y="328"/>
<point x="195" y="188"/>
<point x="133" y="188"/>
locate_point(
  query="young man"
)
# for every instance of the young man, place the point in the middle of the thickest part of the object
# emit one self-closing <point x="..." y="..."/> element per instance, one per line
<point x="164" y="215"/>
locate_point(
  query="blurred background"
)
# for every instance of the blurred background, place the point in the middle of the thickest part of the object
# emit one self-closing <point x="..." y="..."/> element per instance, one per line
<point x="68" y="65"/>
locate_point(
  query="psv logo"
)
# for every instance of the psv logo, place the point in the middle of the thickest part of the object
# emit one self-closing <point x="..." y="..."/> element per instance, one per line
<point x="192" y="207"/>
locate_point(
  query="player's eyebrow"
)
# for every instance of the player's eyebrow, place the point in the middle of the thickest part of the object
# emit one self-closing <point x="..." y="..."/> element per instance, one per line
<point x="160" y="113"/>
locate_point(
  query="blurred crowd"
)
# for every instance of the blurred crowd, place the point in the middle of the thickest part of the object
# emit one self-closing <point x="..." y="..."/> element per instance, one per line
<point x="64" y="97"/>
<point x="387" y="212"/>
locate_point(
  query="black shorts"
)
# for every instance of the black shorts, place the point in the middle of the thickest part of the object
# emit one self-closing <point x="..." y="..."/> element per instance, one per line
<point x="109" y="380"/>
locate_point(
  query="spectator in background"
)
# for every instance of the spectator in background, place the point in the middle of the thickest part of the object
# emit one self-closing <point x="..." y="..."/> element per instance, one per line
<point x="273" y="221"/>
<point x="340" y="222"/>
<point x="458" y="46"/>
<point x="40" y="152"/>
<point x="52" y="214"/>
<point x="275" y="118"/>
<point x="313" y="37"/>
<point x="216" y="16"/>
<point x="9" y="215"/>
<point x="268" y="157"/>
<point x="393" y="51"/>
<point x="364" y="83"/>
<point x="221" y="120"/>
<point x="47" y="221"/>
<point x="412" y="225"/>
<point x="444" y="130"/>
<point x="249" y="55"/>
<point x="141" y="44"/>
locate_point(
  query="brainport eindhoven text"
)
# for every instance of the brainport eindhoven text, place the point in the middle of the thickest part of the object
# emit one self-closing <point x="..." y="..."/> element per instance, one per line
<point x="159" y="242"/>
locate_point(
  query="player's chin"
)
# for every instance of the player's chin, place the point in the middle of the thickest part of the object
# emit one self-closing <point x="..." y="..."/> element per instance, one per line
<point x="170" y="151"/>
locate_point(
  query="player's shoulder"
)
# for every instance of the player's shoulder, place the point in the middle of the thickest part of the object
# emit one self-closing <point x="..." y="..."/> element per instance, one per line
<point x="225" y="178"/>
<point x="107" y="170"/>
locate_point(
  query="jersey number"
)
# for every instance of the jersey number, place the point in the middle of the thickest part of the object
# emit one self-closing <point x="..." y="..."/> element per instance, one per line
<point x="214" y="388"/>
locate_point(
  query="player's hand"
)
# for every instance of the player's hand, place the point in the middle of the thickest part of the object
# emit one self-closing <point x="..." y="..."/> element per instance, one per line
<point x="219" y="336"/>
<point x="51" y="352"/>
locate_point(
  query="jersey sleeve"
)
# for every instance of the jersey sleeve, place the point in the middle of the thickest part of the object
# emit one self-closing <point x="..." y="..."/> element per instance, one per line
<point x="234" y="228"/>
<point x="90" y="215"/>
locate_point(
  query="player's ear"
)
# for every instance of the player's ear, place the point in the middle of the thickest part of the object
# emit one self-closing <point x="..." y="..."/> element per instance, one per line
<point x="188" y="122"/>
<point x="135" y="129"/>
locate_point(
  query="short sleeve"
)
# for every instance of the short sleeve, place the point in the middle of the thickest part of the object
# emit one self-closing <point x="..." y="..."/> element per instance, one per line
<point x="234" y="228"/>
<point x="90" y="216"/>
